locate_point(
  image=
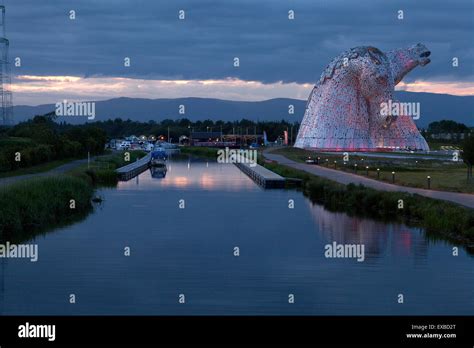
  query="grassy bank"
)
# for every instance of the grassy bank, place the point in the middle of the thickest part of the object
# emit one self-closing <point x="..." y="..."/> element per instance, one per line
<point x="101" y="171"/>
<point x="439" y="218"/>
<point x="40" y="168"/>
<point x="33" y="206"/>
<point x="119" y="159"/>
<point x="446" y="175"/>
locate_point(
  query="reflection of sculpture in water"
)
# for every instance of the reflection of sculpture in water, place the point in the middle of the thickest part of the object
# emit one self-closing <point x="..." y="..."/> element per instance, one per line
<point x="344" y="109"/>
<point x="376" y="236"/>
<point x="158" y="172"/>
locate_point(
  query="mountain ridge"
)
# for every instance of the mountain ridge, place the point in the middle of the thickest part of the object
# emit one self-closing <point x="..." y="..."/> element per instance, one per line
<point x="434" y="107"/>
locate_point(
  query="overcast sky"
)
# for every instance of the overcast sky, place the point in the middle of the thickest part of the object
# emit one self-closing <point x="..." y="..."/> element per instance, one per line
<point x="174" y="58"/>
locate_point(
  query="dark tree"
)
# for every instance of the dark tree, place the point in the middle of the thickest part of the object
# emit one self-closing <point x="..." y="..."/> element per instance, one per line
<point x="447" y="126"/>
<point x="468" y="155"/>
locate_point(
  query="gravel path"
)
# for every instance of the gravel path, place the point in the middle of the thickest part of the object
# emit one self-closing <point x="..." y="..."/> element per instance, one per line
<point x="465" y="199"/>
<point x="55" y="171"/>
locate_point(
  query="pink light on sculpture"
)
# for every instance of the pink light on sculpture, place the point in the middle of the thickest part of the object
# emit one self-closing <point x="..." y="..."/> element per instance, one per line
<point x="343" y="112"/>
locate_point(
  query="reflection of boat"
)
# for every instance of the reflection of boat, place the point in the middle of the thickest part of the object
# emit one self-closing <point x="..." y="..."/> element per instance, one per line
<point x="158" y="161"/>
<point x="158" y="171"/>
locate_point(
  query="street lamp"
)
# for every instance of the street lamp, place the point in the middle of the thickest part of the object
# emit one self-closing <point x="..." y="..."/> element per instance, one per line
<point x="378" y="173"/>
<point x="428" y="179"/>
<point x="393" y="177"/>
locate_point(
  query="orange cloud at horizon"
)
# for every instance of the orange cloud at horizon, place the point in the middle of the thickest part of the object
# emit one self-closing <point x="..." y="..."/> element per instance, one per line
<point x="33" y="90"/>
<point x="453" y="88"/>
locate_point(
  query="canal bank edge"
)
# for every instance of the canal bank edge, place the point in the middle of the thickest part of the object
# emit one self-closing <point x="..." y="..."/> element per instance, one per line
<point x="441" y="219"/>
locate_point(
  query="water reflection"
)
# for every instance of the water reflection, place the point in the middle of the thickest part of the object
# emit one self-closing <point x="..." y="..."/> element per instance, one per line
<point x="192" y="174"/>
<point x="190" y="250"/>
<point x="378" y="238"/>
<point x="158" y="172"/>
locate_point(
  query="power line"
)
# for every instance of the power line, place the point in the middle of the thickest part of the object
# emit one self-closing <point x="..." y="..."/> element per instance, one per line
<point x="6" y="112"/>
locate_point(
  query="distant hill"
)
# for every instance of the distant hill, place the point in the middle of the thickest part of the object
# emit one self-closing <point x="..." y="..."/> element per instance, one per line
<point x="434" y="107"/>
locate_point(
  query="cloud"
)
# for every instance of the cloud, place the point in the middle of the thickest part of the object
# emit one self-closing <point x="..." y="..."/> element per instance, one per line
<point x="34" y="90"/>
<point x="270" y="47"/>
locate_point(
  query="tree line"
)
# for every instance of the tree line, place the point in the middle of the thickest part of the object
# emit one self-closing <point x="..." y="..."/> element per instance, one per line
<point x="118" y="128"/>
<point x="41" y="140"/>
<point x="447" y="126"/>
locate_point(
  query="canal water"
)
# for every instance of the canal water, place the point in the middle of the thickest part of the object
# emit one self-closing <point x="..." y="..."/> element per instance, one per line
<point x="191" y="251"/>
